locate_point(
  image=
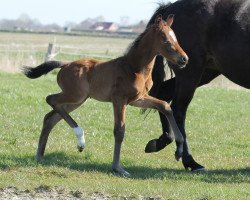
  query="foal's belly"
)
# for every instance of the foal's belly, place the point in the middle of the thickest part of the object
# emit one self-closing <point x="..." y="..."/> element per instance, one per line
<point x="100" y="91"/>
<point x="117" y="90"/>
<point x="100" y="98"/>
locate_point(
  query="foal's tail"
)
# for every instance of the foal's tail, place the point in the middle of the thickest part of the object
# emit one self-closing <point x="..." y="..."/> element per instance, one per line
<point x="41" y="69"/>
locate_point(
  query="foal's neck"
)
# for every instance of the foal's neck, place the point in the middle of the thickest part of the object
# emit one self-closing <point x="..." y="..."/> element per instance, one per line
<point x="141" y="56"/>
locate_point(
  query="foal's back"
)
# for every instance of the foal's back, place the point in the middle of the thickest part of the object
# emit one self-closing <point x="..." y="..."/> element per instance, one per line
<point x="99" y="79"/>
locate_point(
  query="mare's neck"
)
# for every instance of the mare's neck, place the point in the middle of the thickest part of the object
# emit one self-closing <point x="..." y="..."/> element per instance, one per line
<point x="141" y="57"/>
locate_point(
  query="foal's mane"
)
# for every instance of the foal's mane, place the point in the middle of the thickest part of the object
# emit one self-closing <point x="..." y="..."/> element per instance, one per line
<point x="137" y="41"/>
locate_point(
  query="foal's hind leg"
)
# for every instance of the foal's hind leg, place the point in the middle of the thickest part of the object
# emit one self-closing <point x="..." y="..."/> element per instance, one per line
<point x="50" y="120"/>
<point x="57" y="101"/>
<point x="163" y="107"/>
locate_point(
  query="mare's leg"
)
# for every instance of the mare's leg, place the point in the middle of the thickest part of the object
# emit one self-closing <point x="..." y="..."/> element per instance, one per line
<point x="56" y="101"/>
<point x="163" y="90"/>
<point x="164" y="108"/>
<point x="166" y="93"/>
<point x="119" y="130"/>
<point x="50" y="120"/>
<point x="185" y="88"/>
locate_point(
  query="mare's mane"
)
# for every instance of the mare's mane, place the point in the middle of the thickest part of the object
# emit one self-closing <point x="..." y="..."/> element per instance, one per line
<point x="136" y="42"/>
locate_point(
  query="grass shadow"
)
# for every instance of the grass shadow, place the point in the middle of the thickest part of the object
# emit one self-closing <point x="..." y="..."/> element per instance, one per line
<point x="60" y="159"/>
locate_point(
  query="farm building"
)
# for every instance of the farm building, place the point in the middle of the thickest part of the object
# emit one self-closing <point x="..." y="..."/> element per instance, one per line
<point x="105" y="26"/>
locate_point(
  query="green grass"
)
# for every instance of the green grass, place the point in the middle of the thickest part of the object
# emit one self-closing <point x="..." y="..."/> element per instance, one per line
<point x="218" y="126"/>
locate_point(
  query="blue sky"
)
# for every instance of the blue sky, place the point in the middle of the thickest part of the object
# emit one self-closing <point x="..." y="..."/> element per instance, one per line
<point x="62" y="11"/>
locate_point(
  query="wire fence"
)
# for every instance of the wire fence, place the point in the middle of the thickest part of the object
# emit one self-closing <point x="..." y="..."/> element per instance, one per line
<point x="54" y="50"/>
<point x="12" y="56"/>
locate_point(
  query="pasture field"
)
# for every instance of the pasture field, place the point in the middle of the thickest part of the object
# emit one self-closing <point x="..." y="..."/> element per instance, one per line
<point x="218" y="125"/>
<point x="218" y="130"/>
<point x="17" y="49"/>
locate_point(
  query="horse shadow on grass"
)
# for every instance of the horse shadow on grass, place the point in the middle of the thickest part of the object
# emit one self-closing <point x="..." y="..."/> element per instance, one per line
<point x="59" y="159"/>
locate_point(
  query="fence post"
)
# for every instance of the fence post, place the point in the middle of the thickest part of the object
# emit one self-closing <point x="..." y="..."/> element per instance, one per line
<point x="50" y="52"/>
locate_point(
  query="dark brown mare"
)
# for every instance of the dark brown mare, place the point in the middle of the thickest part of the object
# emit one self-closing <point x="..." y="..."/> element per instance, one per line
<point x="216" y="36"/>
<point x="122" y="81"/>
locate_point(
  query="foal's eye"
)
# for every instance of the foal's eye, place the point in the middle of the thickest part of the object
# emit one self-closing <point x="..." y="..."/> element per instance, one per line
<point x="167" y="42"/>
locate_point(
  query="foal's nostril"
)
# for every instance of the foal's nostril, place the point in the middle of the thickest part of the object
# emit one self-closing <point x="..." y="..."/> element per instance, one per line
<point x="184" y="59"/>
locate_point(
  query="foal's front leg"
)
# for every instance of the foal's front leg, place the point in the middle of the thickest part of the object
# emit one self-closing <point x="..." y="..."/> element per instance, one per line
<point x="163" y="107"/>
<point x="119" y="130"/>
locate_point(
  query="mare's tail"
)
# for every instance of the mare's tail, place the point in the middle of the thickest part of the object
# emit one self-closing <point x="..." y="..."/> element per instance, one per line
<point x="41" y="69"/>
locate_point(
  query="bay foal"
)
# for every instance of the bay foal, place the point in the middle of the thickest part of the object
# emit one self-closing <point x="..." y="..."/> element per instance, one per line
<point x="122" y="81"/>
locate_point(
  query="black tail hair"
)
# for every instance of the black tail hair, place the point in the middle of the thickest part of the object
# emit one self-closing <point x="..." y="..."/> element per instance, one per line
<point x="41" y="69"/>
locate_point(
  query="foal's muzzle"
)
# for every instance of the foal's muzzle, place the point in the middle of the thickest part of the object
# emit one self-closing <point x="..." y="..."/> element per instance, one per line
<point x="182" y="61"/>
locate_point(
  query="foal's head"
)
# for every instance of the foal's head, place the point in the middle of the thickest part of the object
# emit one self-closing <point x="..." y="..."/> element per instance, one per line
<point x="167" y="44"/>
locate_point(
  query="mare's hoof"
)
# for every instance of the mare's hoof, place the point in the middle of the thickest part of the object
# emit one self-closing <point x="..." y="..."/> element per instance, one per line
<point x="199" y="170"/>
<point x="189" y="163"/>
<point x="178" y="155"/>
<point x="151" y="146"/>
<point x="80" y="148"/>
<point x="154" y="145"/>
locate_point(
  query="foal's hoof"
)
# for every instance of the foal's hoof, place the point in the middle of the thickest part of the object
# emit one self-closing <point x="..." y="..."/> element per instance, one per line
<point x="121" y="172"/>
<point x="39" y="158"/>
<point x="80" y="148"/>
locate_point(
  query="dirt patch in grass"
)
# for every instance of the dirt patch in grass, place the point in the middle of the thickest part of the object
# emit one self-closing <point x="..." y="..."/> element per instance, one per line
<point x="44" y="192"/>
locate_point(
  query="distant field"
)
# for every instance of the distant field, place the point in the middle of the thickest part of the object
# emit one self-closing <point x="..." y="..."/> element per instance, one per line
<point x="17" y="49"/>
<point x="218" y="130"/>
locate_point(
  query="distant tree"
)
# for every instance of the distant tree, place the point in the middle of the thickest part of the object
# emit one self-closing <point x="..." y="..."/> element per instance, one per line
<point x="52" y="27"/>
<point x="139" y="27"/>
<point x="24" y="22"/>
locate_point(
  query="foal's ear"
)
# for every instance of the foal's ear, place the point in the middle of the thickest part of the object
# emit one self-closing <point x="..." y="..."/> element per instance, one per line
<point x="170" y="20"/>
<point x="158" y="22"/>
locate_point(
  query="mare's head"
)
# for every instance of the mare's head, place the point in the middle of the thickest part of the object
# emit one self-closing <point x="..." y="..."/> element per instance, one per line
<point x="166" y="42"/>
